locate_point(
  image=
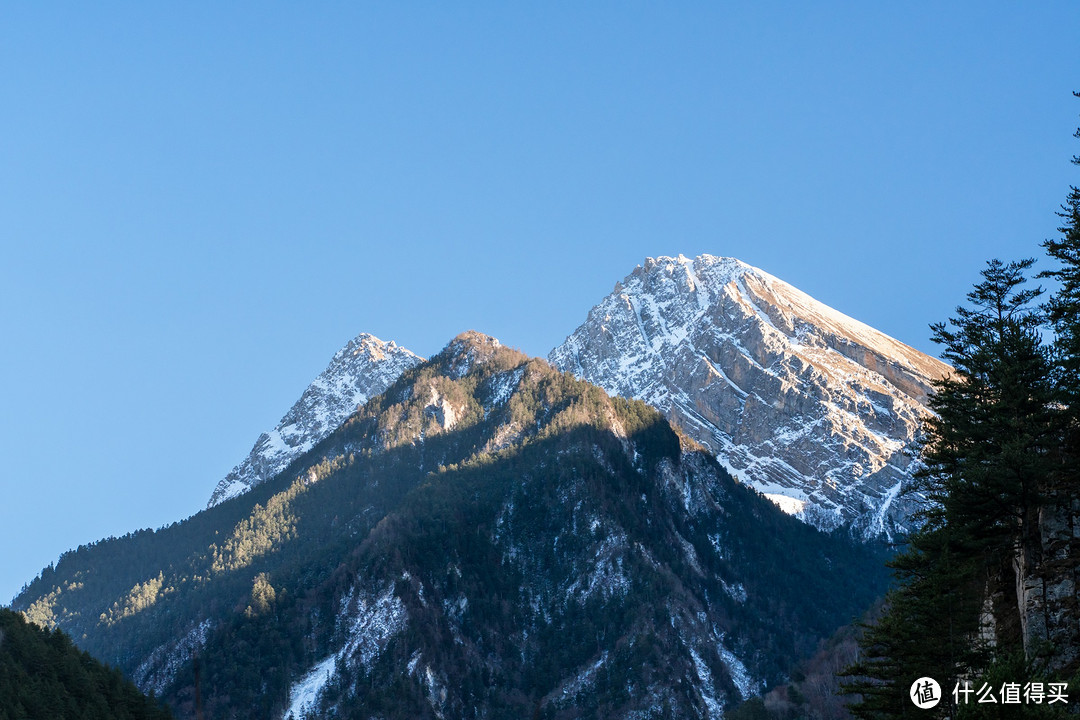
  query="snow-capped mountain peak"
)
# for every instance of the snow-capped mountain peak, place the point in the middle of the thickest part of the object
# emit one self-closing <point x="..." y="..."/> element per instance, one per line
<point x="814" y="408"/>
<point x="363" y="368"/>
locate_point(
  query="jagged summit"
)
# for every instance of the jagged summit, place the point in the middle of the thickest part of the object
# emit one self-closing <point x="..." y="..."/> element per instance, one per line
<point x="368" y="345"/>
<point x="363" y="368"/>
<point x="812" y="407"/>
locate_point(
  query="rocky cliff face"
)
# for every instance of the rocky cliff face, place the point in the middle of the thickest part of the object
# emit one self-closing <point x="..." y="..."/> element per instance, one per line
<point x="1047" y="578"/>
<point x="362" y="369"/>
<point x="814" y="409"/>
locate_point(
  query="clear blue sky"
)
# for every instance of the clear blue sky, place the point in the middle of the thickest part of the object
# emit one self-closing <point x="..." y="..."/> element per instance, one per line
<point x="199" y="205"/>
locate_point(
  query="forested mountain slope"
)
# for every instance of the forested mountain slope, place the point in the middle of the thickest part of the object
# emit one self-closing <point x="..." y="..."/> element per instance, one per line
<point x="488" y="538"/>
<point x="43" y="675"/>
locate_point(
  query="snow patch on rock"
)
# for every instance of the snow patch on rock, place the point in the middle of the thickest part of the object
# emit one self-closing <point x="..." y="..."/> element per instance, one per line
<point x="160" y="667"/>
<point x="707" y="687"/>
<point x="742" y="678"/>
<point x="790" y="505"/>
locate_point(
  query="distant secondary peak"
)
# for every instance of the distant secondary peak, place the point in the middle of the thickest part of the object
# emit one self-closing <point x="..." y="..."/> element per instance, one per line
<point x="362" y="369"/>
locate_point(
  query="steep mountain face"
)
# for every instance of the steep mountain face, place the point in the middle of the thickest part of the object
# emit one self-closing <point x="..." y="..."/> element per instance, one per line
<point x="487" y="538"/>
<point x="358" y="372"/>
<point x="811" y="407"/>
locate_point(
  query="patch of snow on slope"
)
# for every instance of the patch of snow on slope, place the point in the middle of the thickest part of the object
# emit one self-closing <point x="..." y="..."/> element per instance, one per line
<point x="374" y="624"/>
<point x="737" y="592"/>
<point x="789" y="505"/>
<point x="159" y="669"/>
<point x="706" y="688"/>
<point x="305" y="693"/>
<point x="583" y="680"/>
<point x="607" y="576"/>
<point x="503" y="386"/>
<point x="742" y="678"/>
<point x="436" y="691"/>
<point x="691" y="554"/>
<point x="375" y="621"/>
<point x="879" y="519"/>
<point x="441" y="409"/>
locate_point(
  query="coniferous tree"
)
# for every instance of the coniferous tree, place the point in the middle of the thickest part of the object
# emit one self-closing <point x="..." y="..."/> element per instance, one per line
<point x="994" y="425"/>
<point x="987" y="585"/>
<point x="985" y="456"/>
<point x="43" y="675"/>
<point x="1063" y="309"/>
<point x="1062" y="516"/>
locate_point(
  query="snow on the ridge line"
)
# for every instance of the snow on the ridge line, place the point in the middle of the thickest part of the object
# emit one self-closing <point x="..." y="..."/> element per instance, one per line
<point x="233" y="489"/>
<point x="798" y="300"/>
<point x="870" y="337"/>
<point x="801" y="304"/>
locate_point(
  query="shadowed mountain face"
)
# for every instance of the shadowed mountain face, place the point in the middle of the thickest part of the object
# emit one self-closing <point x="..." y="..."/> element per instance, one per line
<point x="813" y="408"/>
<point x="488" y="538"/>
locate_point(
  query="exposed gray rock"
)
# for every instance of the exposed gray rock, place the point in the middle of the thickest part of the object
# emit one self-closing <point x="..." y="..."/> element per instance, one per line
<point x="815" y="409"/>
<point x="1047" y="577"/>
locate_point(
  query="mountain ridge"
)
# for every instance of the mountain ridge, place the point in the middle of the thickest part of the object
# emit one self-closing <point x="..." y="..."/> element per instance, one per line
<point x="860" y="455"/>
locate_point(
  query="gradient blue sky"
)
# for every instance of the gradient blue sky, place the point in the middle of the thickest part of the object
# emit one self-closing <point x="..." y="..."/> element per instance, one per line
<point x="199" y="204"/>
